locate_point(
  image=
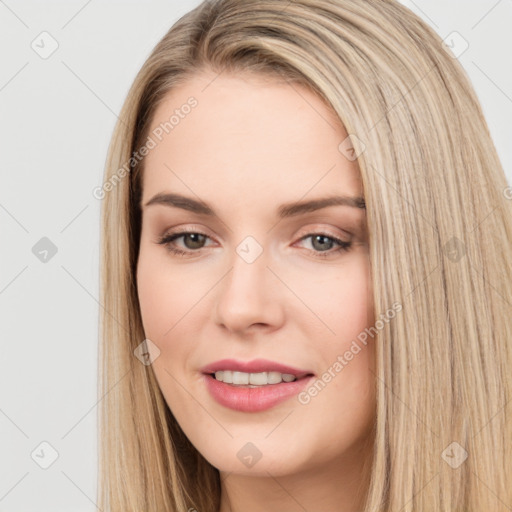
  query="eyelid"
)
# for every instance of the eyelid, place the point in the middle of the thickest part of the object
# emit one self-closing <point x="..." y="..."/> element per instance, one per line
<point x="316" y="229"/>
<point x="184" y="230"/>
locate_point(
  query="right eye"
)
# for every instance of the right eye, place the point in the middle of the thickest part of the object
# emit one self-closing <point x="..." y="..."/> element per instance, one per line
<point x="195" y="239"/>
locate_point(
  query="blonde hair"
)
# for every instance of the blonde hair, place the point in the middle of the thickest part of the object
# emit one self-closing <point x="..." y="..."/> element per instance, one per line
<point x="440" y="232"/>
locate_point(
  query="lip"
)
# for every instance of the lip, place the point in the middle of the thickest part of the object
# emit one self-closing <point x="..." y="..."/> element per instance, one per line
<point x="254" y="366"/>
<point x="255" y="399"/>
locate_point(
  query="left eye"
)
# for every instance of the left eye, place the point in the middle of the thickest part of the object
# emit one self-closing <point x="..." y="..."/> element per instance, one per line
<point x="319" y="240"/>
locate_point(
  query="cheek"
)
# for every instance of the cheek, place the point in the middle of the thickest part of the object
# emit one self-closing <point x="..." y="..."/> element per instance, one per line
<point x="344" y="300"/>
<point x="156" y="303"/>
<point x="164" y="294"/>
<point x="346" y="306"/>
<point x="164" y="300"/>
<point x="174" y="309"/>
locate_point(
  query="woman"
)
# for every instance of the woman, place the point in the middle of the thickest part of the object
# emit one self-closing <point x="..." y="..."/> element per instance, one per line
<point x="306" y="269"/>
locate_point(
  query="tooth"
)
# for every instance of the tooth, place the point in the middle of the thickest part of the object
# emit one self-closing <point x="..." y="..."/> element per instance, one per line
<point x="258" y="379"/>
<point x="274" y="378"/>
<point x="240" y="378"/>
<point x="253" y="379"/>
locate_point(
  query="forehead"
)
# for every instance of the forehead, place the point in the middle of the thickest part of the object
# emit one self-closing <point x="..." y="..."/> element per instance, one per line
<point x="246" y="136"/>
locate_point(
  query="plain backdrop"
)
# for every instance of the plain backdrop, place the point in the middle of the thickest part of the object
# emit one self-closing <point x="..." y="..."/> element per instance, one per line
<point x="57" y="116"/>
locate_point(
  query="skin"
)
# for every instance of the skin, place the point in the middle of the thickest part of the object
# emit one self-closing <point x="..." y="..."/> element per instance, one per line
<point x="249" y="146"/>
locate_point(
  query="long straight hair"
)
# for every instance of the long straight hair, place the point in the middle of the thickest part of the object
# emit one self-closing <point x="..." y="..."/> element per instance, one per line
<point x="440" y="238"/>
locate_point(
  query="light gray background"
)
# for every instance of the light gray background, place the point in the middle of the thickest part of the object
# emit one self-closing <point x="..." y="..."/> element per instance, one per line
<point x="57" y="117"/>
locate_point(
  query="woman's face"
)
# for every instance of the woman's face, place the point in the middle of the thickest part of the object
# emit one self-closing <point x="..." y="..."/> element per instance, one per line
<point x="259" y="279"/>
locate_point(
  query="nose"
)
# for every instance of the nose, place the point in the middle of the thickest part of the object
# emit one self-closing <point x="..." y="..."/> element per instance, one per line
<point x="249" y="297"/>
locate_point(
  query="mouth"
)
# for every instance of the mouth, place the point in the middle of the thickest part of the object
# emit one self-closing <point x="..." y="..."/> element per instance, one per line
<point x="253" y="386"/>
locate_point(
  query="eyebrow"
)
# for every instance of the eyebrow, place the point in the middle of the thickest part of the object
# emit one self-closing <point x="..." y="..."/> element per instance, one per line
<point x="286" y="210"/>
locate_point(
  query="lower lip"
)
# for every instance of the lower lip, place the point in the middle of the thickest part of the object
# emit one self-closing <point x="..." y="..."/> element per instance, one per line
<point x="245" y="399"/>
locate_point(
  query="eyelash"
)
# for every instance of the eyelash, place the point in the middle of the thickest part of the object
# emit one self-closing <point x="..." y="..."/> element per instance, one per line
<point x="167" y="240"/>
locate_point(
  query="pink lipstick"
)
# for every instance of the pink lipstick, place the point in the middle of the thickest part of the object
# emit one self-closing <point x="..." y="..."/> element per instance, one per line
<point x="253" y="386"/>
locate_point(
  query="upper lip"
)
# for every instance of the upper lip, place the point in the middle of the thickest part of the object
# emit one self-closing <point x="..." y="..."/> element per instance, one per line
<point x="254" y="366"/>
